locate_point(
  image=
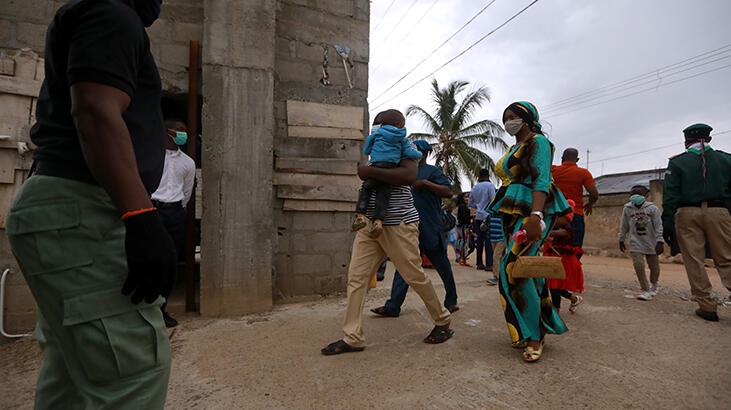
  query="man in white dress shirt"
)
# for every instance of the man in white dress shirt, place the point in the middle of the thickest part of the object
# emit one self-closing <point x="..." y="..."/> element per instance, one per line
<point x="174" y="191"/>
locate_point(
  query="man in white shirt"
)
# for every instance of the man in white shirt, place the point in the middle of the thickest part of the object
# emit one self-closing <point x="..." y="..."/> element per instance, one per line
<point x="480" y="196"/>
<point x="174" y="191"/>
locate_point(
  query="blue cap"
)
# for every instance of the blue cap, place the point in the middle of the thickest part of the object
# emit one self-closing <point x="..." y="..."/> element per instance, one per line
<point x="422" y="145"/>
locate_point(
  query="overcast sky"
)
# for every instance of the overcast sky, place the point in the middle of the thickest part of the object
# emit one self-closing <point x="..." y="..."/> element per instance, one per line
<point x="560" y="49"/>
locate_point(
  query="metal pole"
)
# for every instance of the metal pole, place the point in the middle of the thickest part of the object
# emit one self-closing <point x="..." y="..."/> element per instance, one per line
<point x="191" y="148"/>
<point x="2" y="307"/>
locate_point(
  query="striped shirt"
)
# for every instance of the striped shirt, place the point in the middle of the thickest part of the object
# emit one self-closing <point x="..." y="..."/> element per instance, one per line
<point x="496" y="229"/>
<point x="400" y="206"/>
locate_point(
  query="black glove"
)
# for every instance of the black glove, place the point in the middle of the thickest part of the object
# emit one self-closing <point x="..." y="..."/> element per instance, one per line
<point x="151" y="258"/>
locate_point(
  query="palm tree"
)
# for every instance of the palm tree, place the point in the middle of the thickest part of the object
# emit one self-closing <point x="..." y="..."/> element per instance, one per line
<point x="456" y="144"/>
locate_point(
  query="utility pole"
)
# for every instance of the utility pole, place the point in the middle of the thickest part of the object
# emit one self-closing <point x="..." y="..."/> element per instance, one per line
<point x="587" y="159"/>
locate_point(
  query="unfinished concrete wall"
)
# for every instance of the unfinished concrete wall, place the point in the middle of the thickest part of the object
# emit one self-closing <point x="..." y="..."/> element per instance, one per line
<point x="256" y="56"/>
<point x="180" y="22"/>
<point x="313" y="249"/>
<point x="23" y="23"/>
<point x="238" y="84"/>
<point x="21" y="72"/>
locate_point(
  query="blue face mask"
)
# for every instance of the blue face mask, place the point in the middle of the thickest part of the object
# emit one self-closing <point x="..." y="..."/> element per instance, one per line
<point x="148" y="10"/>
<point x="180" y="137"/>
<point x="637" y="199"/>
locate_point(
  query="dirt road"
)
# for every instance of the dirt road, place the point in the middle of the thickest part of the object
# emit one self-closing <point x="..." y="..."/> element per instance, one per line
<point x="619" y="353"/>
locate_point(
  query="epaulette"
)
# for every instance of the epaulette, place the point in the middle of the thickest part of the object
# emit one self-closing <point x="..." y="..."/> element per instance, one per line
<point x="677" y="155"/>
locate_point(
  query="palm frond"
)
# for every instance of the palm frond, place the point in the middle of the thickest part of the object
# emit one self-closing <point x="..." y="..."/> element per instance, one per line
<point x="425" y="116"/>
<point x="456" y="144"/>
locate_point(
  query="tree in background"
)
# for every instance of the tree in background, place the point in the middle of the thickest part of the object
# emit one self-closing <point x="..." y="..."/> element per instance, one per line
<point x="457" y="144"/>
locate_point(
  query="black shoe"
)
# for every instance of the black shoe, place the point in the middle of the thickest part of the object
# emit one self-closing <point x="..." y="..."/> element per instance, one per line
<point x="452" y="308"/>
<point x="709" y="316"/>
<point x="169" y="320"/>
<point x="380" y="276"/>
<point x="382" y="311"/>
<point x="480" y="267"/>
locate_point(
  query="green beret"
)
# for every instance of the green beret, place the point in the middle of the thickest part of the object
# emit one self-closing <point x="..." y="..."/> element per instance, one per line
<point x="698" y="130"/>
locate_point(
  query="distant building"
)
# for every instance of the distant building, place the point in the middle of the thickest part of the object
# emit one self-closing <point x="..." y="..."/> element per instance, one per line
<point x="602" y="226"/>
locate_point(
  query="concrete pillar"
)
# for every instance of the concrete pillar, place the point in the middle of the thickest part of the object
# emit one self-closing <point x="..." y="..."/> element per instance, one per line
<point x="238" y="127"/>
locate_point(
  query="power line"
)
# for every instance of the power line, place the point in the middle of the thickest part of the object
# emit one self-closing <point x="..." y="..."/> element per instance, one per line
<point x="582" y="107"/>
<point x="384" y="14"/>
<point x="628" y="84"/>
<point x="652" y="149"/>
<point x="391" y="49"/>
<point x="637" y="152"/>
<point x="398" y="20"/>
<point x="655" y="72"/>
<point x="434" y="51"/>
<point x="460" y="54"/>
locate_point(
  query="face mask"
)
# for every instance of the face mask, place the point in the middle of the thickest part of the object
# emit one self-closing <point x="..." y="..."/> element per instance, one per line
<point x="180" y="137"/>
<point x="148" y="10"/>
<point x="637" y="199"/>
<point x="513" y="126"/>
<point x="375" y="128"/>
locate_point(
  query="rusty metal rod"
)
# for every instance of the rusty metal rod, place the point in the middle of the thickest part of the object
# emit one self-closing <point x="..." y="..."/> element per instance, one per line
<point x="191" y="148"/>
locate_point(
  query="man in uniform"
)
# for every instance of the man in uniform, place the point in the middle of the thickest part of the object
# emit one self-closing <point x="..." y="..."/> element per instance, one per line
<point x="697" y="207"/>
<point x="83" y="229"/>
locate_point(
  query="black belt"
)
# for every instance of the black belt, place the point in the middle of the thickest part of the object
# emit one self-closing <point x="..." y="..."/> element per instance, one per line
<point x="67" y="170"/>
<point x="711" y="203"/>
<point x="158" y="204"/>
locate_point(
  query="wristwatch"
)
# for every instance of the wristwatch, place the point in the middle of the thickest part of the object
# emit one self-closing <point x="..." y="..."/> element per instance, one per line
<point x="539" y="213"/>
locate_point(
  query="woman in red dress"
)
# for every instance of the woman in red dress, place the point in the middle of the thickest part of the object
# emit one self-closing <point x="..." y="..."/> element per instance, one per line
<point x="561" y="243"/>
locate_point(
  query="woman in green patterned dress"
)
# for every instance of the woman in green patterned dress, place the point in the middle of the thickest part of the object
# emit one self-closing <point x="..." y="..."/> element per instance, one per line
<point x="529" y="199"/>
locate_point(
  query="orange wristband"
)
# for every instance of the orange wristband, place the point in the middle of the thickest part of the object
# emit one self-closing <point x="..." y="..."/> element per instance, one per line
<point x="137" y="212"/>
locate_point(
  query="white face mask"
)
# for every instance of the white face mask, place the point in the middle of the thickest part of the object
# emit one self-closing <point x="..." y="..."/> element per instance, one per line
<point x="375" y="128"/>
<point x="513" y="126"/>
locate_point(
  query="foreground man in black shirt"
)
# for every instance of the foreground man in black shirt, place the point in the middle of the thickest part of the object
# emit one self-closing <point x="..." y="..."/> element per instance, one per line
<point x="83" y="229"/>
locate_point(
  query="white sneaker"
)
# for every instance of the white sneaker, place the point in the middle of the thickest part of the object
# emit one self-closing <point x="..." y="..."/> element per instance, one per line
<point x="654" y="288"/>
<point x="645" y="296"/>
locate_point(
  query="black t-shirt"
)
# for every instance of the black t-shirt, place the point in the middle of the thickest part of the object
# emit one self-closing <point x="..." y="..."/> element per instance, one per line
<point x="100" y="41"/>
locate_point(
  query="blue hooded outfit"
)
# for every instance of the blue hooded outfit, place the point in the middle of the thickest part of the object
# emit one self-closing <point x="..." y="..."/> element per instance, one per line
<point x="386" y="146"/>
<point x="389" y="144"/>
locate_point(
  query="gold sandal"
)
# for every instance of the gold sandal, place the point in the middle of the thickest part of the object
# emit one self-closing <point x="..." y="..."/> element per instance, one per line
<point x="533" y="355"/>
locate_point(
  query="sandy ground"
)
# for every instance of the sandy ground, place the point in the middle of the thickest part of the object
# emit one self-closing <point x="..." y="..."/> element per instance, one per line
<point x="619" y="353"/>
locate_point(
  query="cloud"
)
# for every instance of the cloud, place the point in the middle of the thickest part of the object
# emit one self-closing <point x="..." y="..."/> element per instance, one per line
<point x="559" y="49"/>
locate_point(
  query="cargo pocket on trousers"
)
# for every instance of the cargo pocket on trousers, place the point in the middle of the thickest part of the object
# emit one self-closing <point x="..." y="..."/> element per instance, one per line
<point x="114" y="338"/>
<point x="44" y="237"/>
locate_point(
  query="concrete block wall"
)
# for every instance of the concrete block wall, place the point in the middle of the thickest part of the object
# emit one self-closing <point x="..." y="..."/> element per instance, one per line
<point x="256" y="55"/>
<point x="17" y="113"/>
<point x="23" y="23"/>
<point x="180" y="22"/>
<point x="602" y="226"/>
<point x="313" y="248"/>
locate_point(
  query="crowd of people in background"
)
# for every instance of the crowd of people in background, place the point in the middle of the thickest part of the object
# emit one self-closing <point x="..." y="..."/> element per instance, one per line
<point x="539" y="209"/>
